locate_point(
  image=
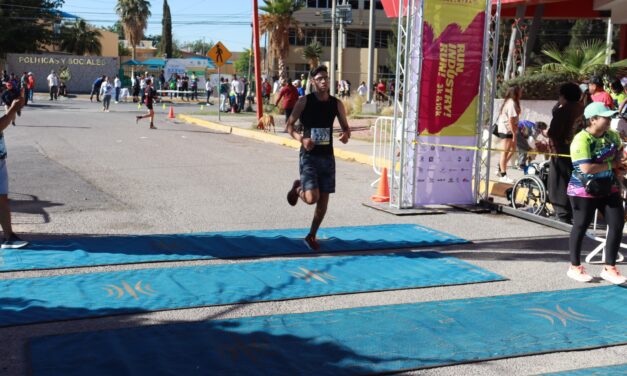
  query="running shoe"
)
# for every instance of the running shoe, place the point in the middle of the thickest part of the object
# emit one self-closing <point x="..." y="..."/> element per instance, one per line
<point x="579" y="274"/>
<point x="612" y="275"/>
<point x="505" y="179"/>
<point x="14" y="242"/>
<point x="311" y="242"/>
<point x="292" y="195"/>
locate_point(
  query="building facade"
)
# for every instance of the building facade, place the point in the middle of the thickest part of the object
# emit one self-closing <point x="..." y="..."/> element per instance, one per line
<point x="352" y="60"/>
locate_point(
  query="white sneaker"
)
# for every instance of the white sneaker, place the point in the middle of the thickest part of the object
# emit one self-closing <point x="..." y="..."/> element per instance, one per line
<point x="579" y="274"/>
<point x="14" y="242"/>
<point x="613" y="276"/>
<point x="505" y="179"/>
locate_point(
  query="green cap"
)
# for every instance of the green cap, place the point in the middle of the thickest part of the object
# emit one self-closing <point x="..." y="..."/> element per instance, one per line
<point x="598" y="109"/>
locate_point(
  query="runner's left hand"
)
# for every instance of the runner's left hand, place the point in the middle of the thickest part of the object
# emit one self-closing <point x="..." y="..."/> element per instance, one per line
<point x="344" y="136"/>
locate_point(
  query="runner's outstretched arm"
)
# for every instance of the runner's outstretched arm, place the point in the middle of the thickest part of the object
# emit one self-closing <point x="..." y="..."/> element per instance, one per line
<point x="6" y="120"/>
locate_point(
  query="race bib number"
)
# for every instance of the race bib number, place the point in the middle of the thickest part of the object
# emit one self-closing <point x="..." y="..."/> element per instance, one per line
<point x="321" y="136"/>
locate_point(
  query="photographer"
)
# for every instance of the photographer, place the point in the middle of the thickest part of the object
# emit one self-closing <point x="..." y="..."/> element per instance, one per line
<point x="11" y="241"/>
<point x="596" y="153"/>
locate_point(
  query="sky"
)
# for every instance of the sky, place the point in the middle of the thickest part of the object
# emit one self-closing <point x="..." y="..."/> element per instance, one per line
<point x="227" y="21"/>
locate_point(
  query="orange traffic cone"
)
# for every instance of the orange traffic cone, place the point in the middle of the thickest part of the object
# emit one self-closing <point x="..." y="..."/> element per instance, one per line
<point x="383" y="190"/>
<point x="171" y="114"/>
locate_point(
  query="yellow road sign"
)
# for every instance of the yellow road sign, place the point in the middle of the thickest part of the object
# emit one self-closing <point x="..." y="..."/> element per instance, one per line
<point x="219" y="54"/>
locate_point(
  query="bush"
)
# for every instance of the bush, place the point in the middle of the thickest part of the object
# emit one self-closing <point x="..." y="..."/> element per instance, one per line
<point x="387" y="111"/>
<point x="348" y="106"/>
<point x="537" y="86"/>
<point x="358" y="103"/>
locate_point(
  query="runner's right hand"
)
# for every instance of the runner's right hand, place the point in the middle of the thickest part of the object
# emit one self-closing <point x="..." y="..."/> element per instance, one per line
<point x="308" y="144"/>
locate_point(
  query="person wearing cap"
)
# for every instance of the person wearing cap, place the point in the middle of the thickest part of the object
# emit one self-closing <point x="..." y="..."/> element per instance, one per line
<point x="599" y="94"/>
<point x="53" y="84"/>
<point x="11" y="241"/>
<point x="597" y="155"/>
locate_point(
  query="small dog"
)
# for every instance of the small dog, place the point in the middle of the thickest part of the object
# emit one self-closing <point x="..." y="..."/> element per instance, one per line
<point x="266" y="123"/>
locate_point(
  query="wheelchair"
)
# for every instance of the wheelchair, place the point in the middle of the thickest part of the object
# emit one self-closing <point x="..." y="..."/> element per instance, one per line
<point x="529" y="193"/>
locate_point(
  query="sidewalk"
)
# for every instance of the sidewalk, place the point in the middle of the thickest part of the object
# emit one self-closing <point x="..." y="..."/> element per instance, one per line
<point x="357" y="150"/>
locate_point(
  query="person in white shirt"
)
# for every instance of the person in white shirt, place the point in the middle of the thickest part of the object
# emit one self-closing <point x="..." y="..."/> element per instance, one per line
<point x="106" y="90"/>
<point x="117" y="84"/>
<point x="53" y="85"/>
<point x="276" y="86"/>
<point x="362" y="90"/>
<point x="209" y="90"/>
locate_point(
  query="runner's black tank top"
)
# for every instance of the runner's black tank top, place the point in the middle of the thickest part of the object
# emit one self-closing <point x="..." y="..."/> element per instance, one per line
<point x="317" y="119"/>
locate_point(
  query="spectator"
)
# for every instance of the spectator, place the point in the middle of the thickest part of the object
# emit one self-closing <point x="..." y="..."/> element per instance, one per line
<point x="266" y="90"/>
<point x="23" y="85"/>
<point x="53" y="85"/>
<point x="598" y="94"/>
<point x="194" y="86"/>
<point x="566" y="122"/>
<point x="618" y="93"/>
<point x="596" y="152"/>
<point x="380" y="88"/>
<point x="224" y="92"/>
<point x="362" y="90"/>
<point x="95" y="89"/>
<point x="31" y="86"/>
<point x="299" y="88"/>
<point x="208" y="90"/>
<point x="11" y="241"/>
<point x="507" y="125"/>
<point x="290" y="94"/>
<point x="9" y="96"/>
<point x="162" y="85"/>
<point x="117" y="85"/>
<point x="106" y="89"/>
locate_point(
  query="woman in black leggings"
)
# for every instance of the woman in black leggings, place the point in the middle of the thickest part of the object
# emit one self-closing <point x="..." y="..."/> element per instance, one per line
<point x="596" y="153"/>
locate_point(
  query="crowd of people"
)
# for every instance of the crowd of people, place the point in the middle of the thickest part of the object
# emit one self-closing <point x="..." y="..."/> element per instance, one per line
<point x="587" y="161"/>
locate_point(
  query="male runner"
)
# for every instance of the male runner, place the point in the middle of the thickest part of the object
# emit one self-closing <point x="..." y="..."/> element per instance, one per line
<point x="149" y="98"/>
<point x="317" y="112"/>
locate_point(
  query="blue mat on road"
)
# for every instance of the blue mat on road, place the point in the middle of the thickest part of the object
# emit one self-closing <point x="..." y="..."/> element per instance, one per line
<point x="31" y="300"/>
<point x="91" y="251"/>
<point x="597" y="371"/>
<point x="350" y="341"/>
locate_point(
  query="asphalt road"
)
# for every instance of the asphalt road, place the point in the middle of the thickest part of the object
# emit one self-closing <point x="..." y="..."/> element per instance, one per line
<point x="77" y="170"/>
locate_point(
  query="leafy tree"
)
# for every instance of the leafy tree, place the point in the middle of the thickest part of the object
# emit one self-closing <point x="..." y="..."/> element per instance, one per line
<point x="134" y="16"/>
<point x="277" y="20"/>
<point x="166" y="32"/>
<point x="32" y="31"/>
<point x="581" y="61"/>
<point x="199" y="46"/>
<point x="80" y="38"/>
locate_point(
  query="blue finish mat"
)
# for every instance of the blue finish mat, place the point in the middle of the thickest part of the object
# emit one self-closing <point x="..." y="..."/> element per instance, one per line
<point x="32" y="300"/>
<point x="620" y="369"/>
<point x="350" y="341"/>
<point x="76" y="252"/>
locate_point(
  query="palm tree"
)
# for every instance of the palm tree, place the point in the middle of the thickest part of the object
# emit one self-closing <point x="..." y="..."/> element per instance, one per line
<point x="581" y="61"/>
<point x="312" y="53"/>
<point x="134" y="16"/>
<point x="80" y="39"/>
<point x="278" y="20"/>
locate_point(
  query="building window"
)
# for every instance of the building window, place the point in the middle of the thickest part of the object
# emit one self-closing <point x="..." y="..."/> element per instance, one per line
<point x="318" y="3"/>
<point x="357" y="38"/>
<point x="382" y="38"/>
<point x="294" y="40"/>
<point x="384" y="73"/>
<point x="378" y="5"/>
<point x="354" y="4"/>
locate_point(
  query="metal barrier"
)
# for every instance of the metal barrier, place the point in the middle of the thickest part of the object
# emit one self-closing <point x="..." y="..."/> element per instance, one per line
<point x="382" y="146"/>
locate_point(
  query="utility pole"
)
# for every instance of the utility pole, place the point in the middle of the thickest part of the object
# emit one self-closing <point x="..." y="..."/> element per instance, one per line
<point x="333" y="46"/>
<point x="371" y="37"/>
<point x="340" y="45"/>
<point x="610" y="31"/>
